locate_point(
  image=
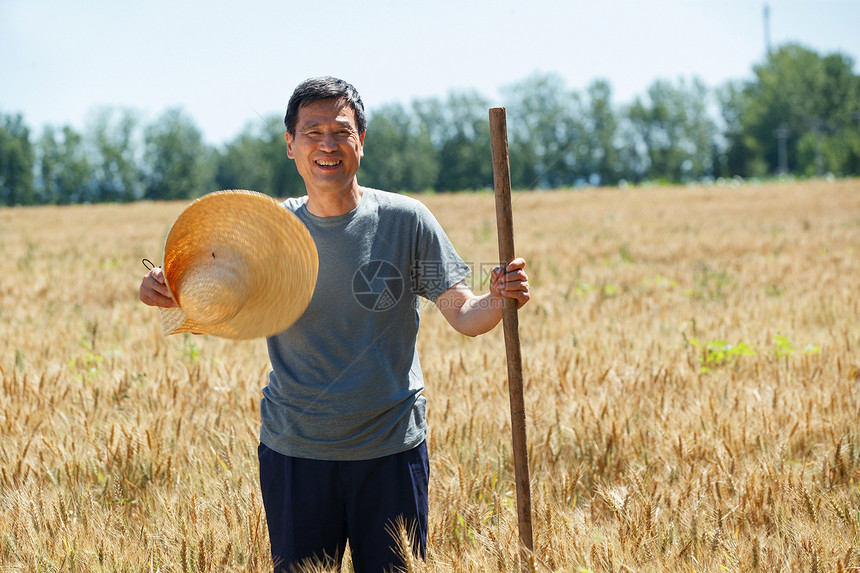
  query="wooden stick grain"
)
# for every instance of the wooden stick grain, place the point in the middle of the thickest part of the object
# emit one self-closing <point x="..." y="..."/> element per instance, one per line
<point x="510" y="323"/>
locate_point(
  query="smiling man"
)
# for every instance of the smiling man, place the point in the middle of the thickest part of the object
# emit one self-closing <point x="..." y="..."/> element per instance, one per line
<point x="327" y="144"/>
<point x="342" y="447"/>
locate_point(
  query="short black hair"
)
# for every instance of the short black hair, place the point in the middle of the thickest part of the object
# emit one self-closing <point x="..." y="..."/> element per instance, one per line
<point x="322" y="88"/>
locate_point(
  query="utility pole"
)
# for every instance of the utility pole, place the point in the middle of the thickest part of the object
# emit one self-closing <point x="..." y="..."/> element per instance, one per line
<point x="782" y="133"/>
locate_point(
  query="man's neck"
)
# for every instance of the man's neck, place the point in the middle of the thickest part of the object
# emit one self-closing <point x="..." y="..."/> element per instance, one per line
<point x="334" y="203"/>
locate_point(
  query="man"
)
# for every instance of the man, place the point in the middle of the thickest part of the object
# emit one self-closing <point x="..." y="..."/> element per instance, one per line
<point x="342" y="444"/>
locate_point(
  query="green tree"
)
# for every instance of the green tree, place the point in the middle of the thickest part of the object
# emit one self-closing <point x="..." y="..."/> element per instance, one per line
<point x="17" y="159"/>
<point x="731" y="149"/>
<point x="398" y="153"/>
<point x="523" y="163"/>
<point x="825" y="150"/>
<point x="257" y="160"/>
<point x="603" y="161"/>
<point x="673" y="128"/>
<point x="177" y="163"/>
<point x="545" y="124"/>
<point x="113" y="138"/>
<point x="64" y="167"/>
<point x="810" y="99"/>
<point x="459" y="130"/>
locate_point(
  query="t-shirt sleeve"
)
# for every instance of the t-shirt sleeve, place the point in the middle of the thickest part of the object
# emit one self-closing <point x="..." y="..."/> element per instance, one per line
<point x="437" y="266"/>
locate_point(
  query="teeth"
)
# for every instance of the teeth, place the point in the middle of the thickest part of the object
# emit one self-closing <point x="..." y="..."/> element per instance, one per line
<point x="328" y="162"/>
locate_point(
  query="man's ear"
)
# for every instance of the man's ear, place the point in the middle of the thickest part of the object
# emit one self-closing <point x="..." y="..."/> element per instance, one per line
<point x="361" y="139"/>
<point x="289" y="139"/>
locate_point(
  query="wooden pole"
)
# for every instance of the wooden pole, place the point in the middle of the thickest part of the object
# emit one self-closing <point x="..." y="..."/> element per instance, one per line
<point x="510" y="323"/>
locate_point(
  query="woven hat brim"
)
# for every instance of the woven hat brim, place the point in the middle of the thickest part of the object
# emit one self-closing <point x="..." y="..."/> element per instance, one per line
<point x="239" y="265"/>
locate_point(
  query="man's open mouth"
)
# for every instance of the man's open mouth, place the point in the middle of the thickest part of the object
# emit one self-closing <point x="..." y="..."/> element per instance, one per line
<point x="328" y="162"/>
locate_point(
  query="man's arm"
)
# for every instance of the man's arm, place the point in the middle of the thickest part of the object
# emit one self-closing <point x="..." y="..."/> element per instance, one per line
<point x="471" y="314"/>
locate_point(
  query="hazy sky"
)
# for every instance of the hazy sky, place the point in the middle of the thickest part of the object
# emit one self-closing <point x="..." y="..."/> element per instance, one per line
<point x="225" y="62"/>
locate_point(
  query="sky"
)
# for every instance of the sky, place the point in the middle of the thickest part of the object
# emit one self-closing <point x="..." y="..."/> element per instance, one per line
<point x="229" y="63"/>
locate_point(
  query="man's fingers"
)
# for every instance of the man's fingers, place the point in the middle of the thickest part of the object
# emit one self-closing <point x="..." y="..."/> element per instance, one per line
<point x="517" y="264"/>
<point x="512" y="282"/>
<point x="514" y="287"/>
<point x="161" y="289"/>
<point x="152" y="297"/>
<point x="154" y="291"/>
<point x="515" y="276"/>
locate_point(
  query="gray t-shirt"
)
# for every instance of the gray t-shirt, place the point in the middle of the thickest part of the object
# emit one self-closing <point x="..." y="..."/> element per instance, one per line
<point x="346" y="383"/>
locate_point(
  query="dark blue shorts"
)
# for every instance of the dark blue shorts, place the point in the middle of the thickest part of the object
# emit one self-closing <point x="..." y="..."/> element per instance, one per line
<point x="313" y="507"/>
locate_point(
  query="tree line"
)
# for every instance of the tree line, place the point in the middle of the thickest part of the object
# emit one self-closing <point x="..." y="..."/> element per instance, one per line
<point x="798" y="114"/>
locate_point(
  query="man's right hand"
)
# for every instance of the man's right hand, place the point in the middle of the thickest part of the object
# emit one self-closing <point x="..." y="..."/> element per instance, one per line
<point x="154" y="291"/>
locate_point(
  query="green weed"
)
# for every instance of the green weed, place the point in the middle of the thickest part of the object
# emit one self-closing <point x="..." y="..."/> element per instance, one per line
<point x="719" y="353"/>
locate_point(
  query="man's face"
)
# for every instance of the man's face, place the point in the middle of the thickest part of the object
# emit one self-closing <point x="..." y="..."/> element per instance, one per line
<point x="327" y="147"/>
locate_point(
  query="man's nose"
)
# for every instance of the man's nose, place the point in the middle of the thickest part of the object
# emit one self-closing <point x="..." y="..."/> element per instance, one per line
<point x="328" y="142"/>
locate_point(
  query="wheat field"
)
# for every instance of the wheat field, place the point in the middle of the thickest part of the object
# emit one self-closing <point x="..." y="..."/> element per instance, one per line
<point x="692" y="384"/>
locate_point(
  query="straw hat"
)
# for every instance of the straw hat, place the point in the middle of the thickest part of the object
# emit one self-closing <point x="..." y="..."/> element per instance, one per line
<point x="239" y="265"/>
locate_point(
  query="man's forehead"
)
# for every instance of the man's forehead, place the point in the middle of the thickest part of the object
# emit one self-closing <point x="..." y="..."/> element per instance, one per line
<point x="326" y="110"/>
